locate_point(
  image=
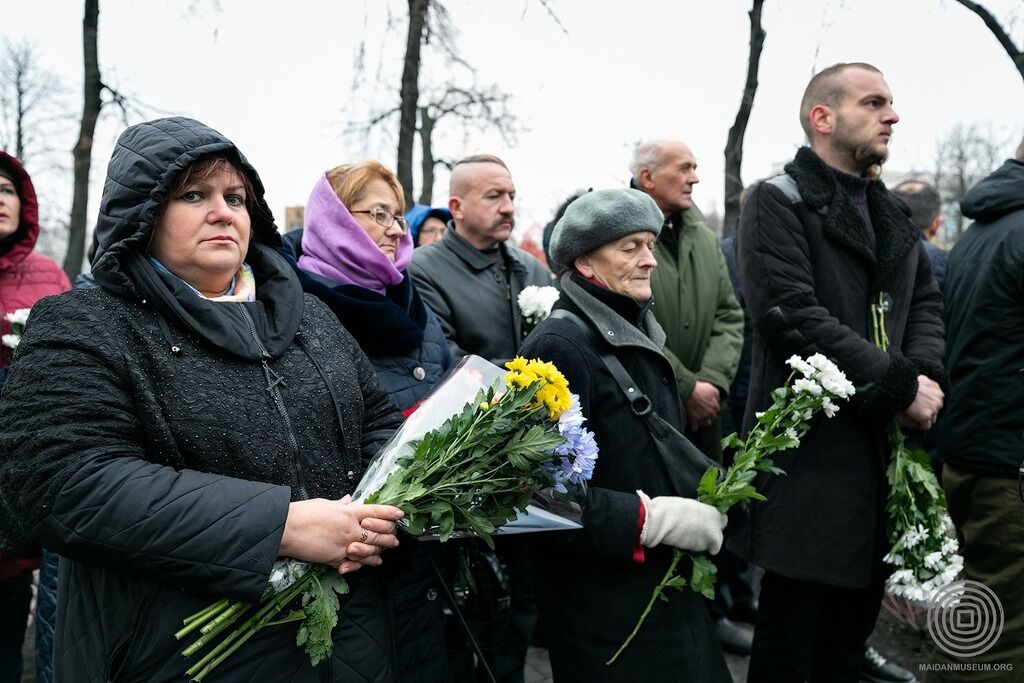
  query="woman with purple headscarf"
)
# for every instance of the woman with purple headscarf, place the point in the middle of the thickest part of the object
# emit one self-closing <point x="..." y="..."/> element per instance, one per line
<point x="353" y="254"/>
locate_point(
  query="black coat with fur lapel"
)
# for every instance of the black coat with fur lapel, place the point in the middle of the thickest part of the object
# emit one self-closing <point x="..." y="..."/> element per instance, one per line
<point x="810" y="272"/>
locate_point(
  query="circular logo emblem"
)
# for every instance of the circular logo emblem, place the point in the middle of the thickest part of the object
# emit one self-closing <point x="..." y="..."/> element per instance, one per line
<point x="966" y="619"/>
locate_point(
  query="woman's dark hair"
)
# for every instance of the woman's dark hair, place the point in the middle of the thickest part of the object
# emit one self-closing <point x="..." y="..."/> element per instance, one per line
<point x="203" y="169"/>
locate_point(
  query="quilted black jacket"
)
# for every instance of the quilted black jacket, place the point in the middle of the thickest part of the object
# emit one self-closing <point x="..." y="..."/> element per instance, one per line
<point x="142" y="441"/>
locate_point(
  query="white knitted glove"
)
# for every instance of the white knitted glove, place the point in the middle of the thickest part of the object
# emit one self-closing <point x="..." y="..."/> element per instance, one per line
<point x="681" y="523"/>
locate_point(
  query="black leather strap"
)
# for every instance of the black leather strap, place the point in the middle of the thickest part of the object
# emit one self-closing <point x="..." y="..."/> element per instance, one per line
<point x="638" y="401"/>
<point x="684" y="462"/>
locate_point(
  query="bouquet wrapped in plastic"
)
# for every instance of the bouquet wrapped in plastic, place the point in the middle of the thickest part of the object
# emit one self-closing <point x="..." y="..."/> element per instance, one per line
<point x="468" y="461"/>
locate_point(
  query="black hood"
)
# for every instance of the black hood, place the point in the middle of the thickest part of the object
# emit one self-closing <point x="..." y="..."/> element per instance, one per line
<point x="996" y="195"/>
<point x="146" y="164"/>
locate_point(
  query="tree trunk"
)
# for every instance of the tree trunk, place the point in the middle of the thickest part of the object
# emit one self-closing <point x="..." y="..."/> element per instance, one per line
<point x="734" y="143"/>
<point x="1015" y="53"/>
<point x="427" y="165"/>
<point x="83" y="148"/>
<point x="410" y="94"/>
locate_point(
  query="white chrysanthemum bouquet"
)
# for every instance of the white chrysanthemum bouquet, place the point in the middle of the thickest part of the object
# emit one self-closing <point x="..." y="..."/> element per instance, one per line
<point x="814" y="386"/>
<point x="535" y="304"/>
<point x="924" y="551"/>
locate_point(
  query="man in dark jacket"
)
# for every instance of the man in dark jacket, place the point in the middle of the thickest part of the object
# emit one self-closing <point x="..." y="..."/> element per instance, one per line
<point x="980" y="435"/>
<point x="818" y="246"/>
<point x="925" y="204"/>
<point x="472" y="279"/>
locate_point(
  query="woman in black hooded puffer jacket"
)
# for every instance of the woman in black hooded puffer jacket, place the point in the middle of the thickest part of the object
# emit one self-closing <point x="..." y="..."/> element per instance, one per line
<point x="176" y="430"/>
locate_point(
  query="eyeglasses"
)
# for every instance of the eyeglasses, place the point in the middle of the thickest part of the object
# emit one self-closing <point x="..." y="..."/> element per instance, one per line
<point x="385" y="218"/>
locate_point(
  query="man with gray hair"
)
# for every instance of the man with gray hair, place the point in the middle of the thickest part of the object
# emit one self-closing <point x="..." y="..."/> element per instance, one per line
<point x="926" y="211"/>
<point x="694" y="300"/>
<point x="979" y="436"/>
<point x="703" y="323"/>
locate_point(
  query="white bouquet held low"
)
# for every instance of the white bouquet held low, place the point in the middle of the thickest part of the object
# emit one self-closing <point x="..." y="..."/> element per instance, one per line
<point x="923" y="553"/>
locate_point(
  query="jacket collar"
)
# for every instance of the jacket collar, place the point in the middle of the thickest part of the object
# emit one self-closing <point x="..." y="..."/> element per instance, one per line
<point x="895" y="234"/>
<point x="612" y="327"/>
<point x="473" y="257"/>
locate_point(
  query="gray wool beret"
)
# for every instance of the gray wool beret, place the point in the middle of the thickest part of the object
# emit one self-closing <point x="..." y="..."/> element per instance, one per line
<point x="600" y="217"/>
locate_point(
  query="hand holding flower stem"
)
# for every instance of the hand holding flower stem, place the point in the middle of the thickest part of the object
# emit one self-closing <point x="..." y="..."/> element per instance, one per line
<point x="779" y="428"/>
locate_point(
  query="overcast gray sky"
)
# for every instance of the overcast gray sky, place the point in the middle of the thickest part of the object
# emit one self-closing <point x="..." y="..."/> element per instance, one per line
<point x="276" y="77"/>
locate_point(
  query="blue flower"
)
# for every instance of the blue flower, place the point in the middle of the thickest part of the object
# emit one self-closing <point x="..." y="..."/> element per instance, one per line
<point x="578" y="455"/>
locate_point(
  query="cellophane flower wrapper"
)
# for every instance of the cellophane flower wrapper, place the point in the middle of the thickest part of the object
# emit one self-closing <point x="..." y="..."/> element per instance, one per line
<point x="556" y="507"/>
<point x="552" y="508"/>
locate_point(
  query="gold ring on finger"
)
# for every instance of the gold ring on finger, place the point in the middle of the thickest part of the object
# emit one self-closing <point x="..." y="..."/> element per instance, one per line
<point x="365" y="535"/>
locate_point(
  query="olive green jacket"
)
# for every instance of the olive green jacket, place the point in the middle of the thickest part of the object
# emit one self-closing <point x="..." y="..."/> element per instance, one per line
<point x="694" y="303"/>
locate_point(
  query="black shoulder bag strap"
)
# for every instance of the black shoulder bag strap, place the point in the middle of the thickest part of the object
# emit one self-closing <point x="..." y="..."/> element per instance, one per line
<point x="685" y="463"/>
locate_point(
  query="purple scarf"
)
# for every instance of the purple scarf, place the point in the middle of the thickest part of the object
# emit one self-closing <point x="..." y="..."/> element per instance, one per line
<point x="335" y="245"/>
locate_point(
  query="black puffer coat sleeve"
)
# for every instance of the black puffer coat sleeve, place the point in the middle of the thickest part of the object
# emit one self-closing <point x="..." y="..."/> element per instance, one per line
<point x="73" y="466"/>
<point x="775" y="257"/>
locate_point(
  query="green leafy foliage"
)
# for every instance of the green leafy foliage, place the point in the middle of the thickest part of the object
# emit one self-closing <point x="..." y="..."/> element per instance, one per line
<point x="320" y="608"/>
<point x="703" y="578"/>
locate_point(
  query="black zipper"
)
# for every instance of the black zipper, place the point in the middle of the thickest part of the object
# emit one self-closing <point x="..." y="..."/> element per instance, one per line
<point x="273" y="381"/>
<point x="120" y="655"/>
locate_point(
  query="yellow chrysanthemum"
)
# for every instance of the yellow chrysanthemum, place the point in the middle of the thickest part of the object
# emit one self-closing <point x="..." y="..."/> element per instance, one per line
<point x="519" y="374"/>
<point x="517" y="364"/>
<point x="553" y="392"/>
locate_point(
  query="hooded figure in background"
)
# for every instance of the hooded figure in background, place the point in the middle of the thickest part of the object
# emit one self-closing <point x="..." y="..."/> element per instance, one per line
<point x="25" y="278"/>
<point x="176" y="430"/>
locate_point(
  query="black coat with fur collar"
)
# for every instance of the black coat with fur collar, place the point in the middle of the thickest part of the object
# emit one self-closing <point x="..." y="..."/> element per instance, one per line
<point x="817" y="271"/>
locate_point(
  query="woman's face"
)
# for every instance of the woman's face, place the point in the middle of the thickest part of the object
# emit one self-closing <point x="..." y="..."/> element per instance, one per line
<point x="623" y="266"/>
<point x="432" y="231"/>
<point x="10" y="208"/>
<point x="378" y="195"/>
<point x="203" y="235"/>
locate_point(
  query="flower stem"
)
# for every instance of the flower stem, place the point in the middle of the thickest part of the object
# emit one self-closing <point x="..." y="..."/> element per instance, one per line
<point x="202" y="617"/>
<point x="246" y="630"/>
<point x="658" y="590"/>
<point x="209" y="634"/>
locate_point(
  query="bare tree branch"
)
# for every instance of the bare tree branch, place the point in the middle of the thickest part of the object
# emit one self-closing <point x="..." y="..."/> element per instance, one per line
<point x="546" y="4"/>
<point x="1015" y="53"/>
<point x="32" y="110"/>
<point x="965" y="155"/>
<point x="734" y="143"/>
<point x="410" y="93"/>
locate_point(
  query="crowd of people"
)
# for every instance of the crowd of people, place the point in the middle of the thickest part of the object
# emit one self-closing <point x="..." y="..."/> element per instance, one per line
<point x="209" y="401"/>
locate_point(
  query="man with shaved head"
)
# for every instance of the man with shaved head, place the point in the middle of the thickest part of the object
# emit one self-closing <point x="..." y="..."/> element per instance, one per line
<point x="819" y="246"/>
<point x="471" y="279"/>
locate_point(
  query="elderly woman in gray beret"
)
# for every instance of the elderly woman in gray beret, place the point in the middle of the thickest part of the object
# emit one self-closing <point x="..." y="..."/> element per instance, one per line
<point x="593" y="584"/>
